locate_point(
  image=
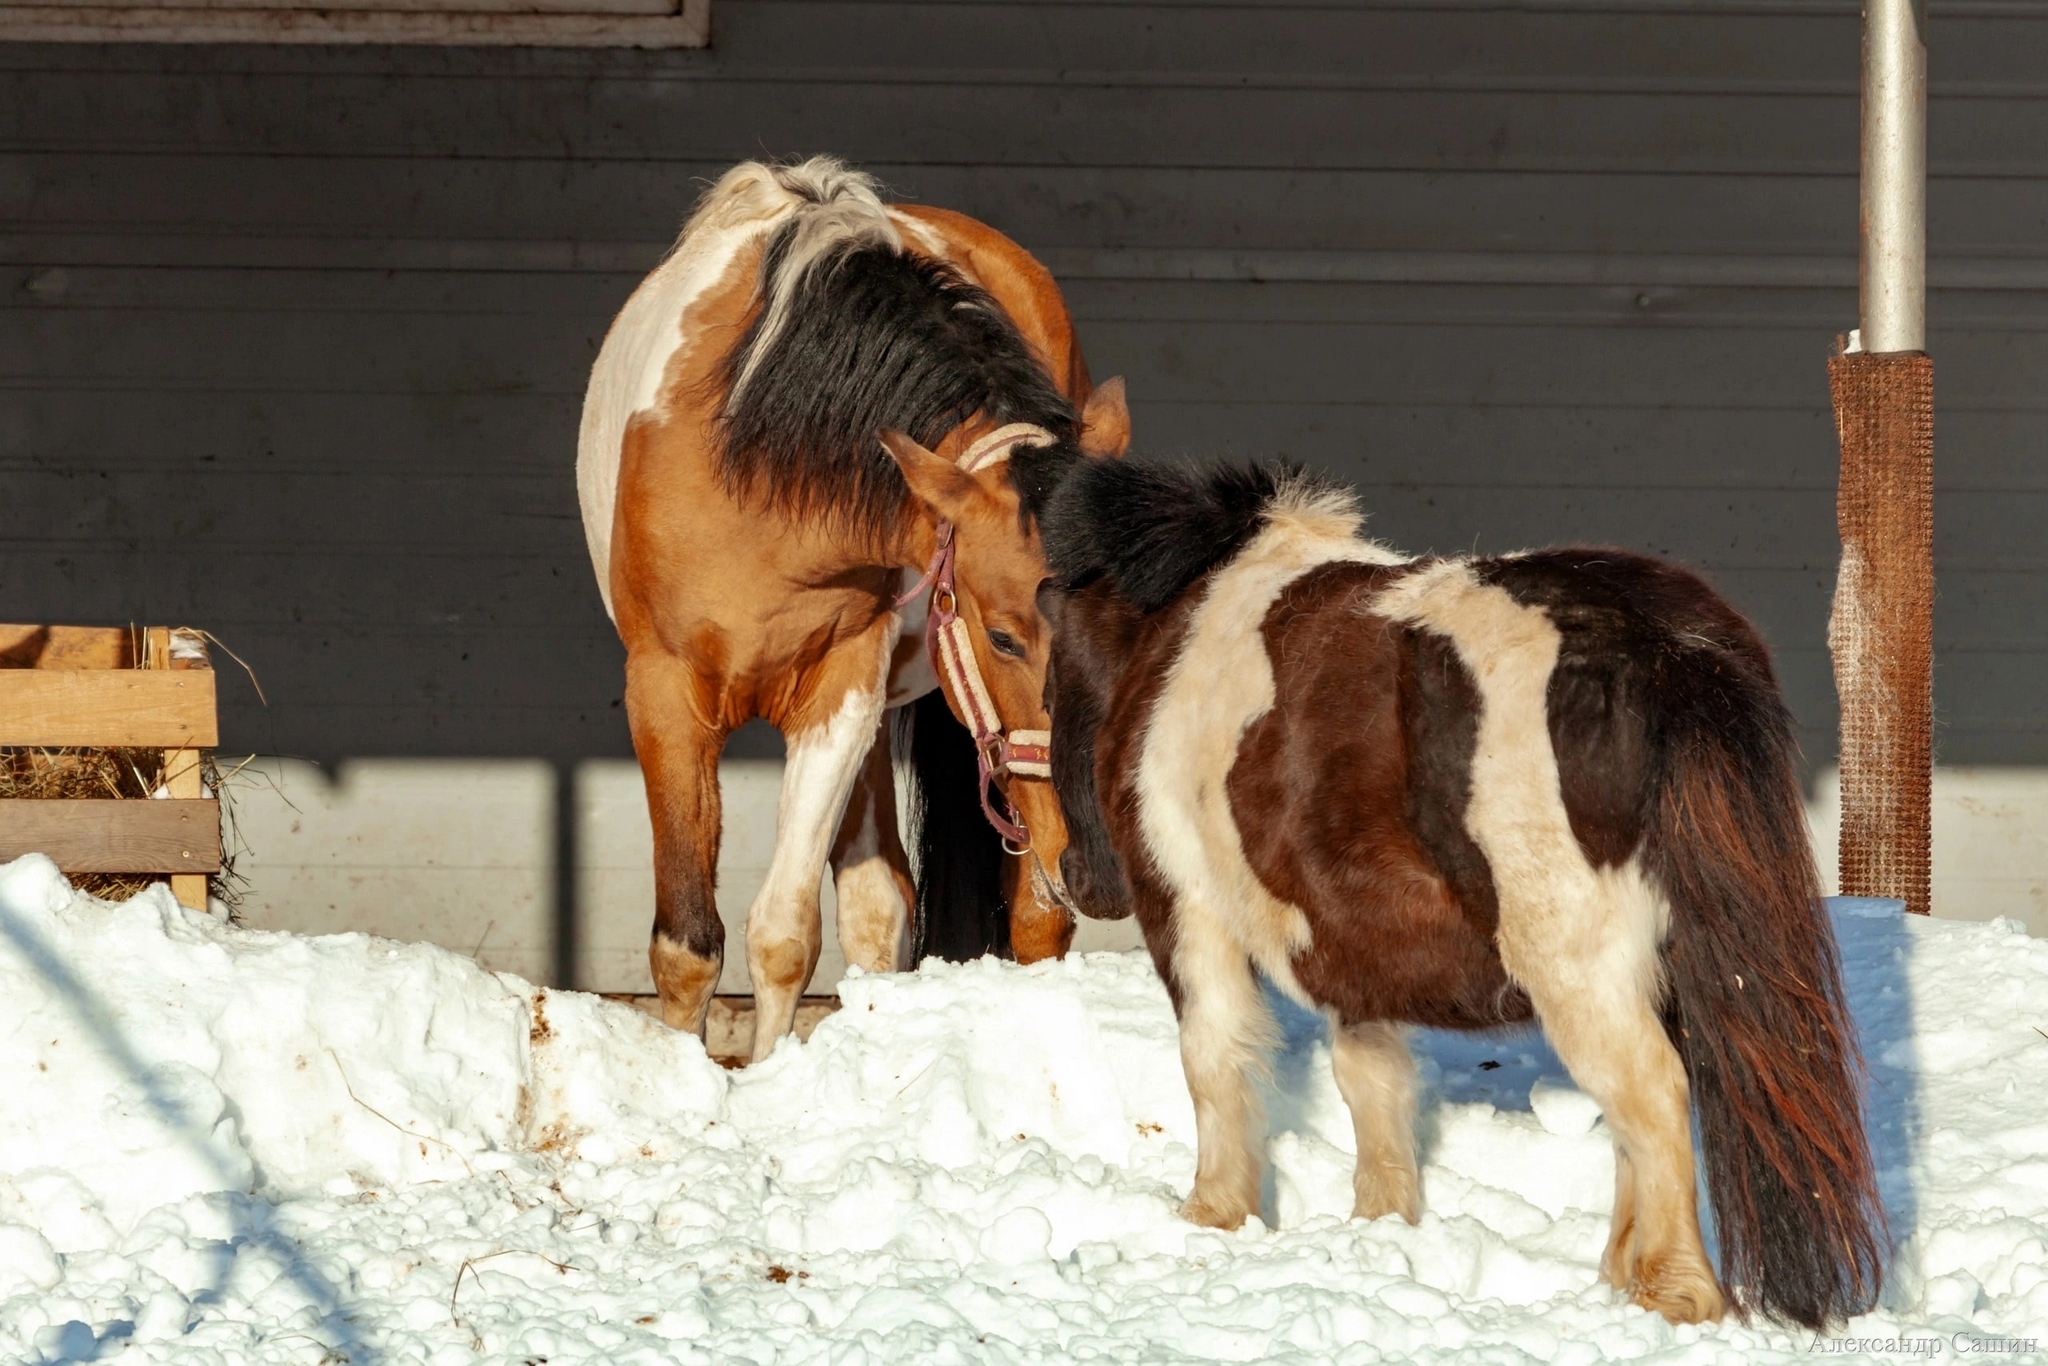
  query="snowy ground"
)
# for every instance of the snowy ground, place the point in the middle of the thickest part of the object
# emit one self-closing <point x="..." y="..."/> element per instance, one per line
<point x="220" y="1145"/>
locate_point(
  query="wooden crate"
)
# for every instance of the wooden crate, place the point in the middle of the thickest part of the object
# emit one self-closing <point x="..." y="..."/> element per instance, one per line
<point x="102" y="687"/>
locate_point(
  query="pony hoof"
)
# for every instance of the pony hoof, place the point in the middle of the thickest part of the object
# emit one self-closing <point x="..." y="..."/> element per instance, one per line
<point x="1227" y="1215"/>
<point x="1393" y="1194"/>
<point x="1678" y="1296"/>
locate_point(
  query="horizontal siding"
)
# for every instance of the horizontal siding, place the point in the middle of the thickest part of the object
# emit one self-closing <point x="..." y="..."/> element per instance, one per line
<point x="293" y="342"/>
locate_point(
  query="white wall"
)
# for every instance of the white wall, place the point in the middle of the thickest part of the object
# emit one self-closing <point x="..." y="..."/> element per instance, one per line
<point x="462" y="853"/>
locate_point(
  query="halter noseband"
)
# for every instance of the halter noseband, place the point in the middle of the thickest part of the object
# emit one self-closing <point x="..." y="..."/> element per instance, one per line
<point x="1024" y="753"/>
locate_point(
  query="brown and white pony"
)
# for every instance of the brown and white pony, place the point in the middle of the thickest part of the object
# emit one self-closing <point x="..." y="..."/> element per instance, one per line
<point x="1462" y="793"/>
<point x="753" y="541"/>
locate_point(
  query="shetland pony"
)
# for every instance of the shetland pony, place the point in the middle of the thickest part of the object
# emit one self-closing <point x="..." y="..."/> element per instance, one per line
<point x="752" y="540"/>
<point x="1465" y="792"/>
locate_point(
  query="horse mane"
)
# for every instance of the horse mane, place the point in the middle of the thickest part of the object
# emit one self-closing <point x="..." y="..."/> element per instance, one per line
<point x="855" y="335"/>
<point x="1153" y="529"/>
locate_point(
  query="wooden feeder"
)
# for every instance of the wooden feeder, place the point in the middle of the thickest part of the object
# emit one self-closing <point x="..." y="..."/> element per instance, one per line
<point x="97" y="688"/>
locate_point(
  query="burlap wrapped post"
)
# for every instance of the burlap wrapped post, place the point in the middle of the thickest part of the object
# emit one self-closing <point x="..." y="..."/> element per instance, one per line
<point x="1882" y="630"/>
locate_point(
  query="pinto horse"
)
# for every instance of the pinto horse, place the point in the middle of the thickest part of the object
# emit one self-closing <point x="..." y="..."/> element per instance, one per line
<point x="753" y="539"/>
<point x="1462" y="793"/>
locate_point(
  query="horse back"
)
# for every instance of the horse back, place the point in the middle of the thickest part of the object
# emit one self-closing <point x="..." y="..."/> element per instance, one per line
<point x="1021" y="285"/>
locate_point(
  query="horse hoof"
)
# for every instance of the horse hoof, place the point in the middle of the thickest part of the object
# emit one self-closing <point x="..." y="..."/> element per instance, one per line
<point x="1199" y="1209"/>
<point x="1691" y="1296"/>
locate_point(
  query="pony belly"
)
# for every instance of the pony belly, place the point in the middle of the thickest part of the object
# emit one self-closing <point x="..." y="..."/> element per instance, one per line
<point x="1418" y="960"/>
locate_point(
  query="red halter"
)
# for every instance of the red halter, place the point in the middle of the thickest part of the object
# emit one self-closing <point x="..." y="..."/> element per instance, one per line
<point x="1022" y="753"/>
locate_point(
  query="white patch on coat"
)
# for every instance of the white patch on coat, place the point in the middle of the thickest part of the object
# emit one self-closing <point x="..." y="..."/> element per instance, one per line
<point x="1225" y="920"/>
<point x="1220" y="683"/>
<point x="1552" y="899"/>
<point x="921" y="235"/>
<point x="639" y="350"/>
<point x="817" y="778"/>
<point x="1583" y="941"/>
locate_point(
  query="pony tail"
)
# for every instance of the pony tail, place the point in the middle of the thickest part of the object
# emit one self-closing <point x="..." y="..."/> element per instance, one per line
<point x="1755" y="1009"/>
<point x="961" y="910"/>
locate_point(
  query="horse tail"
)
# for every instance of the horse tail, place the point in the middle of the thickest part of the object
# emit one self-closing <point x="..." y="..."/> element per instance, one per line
<point x="961" y="911"/>
<point x="1755" y="1002"/>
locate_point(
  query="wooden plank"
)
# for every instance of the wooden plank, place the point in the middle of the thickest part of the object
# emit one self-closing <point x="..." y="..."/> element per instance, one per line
<point x="205" y="12"/>
<point x="115" y="836"/>
<point x="67" y="647"/>
<point x="62" y="24"/>
<point x="182" y="780"/>
<point x="155" y="708"/>
<point x="966" y="120"/>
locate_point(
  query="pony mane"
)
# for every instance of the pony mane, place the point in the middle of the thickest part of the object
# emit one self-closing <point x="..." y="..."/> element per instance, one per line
<point x="855" y="335"/>
<point x="1151" y="530"/>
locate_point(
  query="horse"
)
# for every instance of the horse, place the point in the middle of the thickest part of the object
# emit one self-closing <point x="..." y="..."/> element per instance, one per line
<point x="751" y="539"/>
<point x="1464" y="792"/>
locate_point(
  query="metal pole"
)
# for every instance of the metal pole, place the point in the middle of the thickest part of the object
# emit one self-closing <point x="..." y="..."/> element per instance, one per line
<point x="1882" y="630"/>
<point x="1893" y="279"/>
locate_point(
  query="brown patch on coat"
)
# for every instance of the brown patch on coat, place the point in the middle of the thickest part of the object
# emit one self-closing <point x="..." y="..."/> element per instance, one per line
<point x="1326" y="790"/>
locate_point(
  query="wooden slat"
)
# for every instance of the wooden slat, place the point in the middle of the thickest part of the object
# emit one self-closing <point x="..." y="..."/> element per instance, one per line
<point x="161" y="709"/>
<point x="115" y="836"/>
<point x="134" y="24"/>
<point x="67" y="647"/>
<point x="182" y="776"/>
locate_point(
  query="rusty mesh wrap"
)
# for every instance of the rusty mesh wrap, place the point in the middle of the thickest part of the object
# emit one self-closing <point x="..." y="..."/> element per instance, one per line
<point x="1882" y="630"/>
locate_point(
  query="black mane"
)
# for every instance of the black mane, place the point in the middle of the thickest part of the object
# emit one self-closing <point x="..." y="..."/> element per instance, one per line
<point x="878" y="339"/>
<point x="1151" y="529"/>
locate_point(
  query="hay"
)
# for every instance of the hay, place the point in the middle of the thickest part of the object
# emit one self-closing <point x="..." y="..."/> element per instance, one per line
<point x="39" y="774"/>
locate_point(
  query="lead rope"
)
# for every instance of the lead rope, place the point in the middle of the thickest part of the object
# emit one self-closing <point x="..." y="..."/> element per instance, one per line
<point x="1024" y="753"/>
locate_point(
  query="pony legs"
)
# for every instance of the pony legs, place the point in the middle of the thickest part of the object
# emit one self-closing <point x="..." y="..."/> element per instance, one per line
<point x="1225" y="1033"/>
<point x="1593" y="993"/>
<point x="679" y="760"/>
<point x="1376" y="1077"/>
<point x="871" y="873"/>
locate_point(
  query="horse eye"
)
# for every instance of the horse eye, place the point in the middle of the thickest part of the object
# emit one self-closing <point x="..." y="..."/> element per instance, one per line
<point x="1005" y="643"/>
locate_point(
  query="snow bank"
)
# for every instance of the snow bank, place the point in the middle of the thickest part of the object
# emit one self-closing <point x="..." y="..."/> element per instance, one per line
<point x="222" y="1146"/>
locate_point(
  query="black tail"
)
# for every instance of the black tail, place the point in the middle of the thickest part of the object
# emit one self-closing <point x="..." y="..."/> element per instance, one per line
<point x="1755" y="1005"/>
<point x="961" y="910"/>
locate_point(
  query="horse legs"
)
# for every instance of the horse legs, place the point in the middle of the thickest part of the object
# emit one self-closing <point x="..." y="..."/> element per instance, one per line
<point x="1596" y="1007"/>
<point x="1376" y="1077"/>
<point x="824" y="758"/>
<point x="1225" y="1030"/>
<point x="870" y="870"/>
<point x="679" y="762"/>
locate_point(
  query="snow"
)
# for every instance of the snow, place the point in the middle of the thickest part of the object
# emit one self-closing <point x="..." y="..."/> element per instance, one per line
<point x="221" y="1145"/>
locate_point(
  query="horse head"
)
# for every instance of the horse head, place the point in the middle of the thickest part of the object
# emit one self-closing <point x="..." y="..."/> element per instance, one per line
<point x="991" y="644"/>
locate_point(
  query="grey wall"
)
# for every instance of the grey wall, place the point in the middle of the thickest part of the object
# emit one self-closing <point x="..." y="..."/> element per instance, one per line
<point x="294" y="340"/>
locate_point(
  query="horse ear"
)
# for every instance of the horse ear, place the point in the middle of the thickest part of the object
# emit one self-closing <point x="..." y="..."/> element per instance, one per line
<point x="1106" y="421"/>
<point x="936" y="481"/>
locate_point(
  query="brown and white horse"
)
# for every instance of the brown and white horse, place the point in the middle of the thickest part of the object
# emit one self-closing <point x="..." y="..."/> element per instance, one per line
<point x="753" y="541"/>
<point x="1463" y="792"/>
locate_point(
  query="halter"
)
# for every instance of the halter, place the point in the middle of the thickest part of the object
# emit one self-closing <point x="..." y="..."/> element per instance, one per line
<point x="1024" y="753"/>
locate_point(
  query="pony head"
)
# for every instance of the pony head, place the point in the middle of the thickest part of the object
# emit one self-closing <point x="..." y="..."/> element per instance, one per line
<point x="991" y="643"/>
